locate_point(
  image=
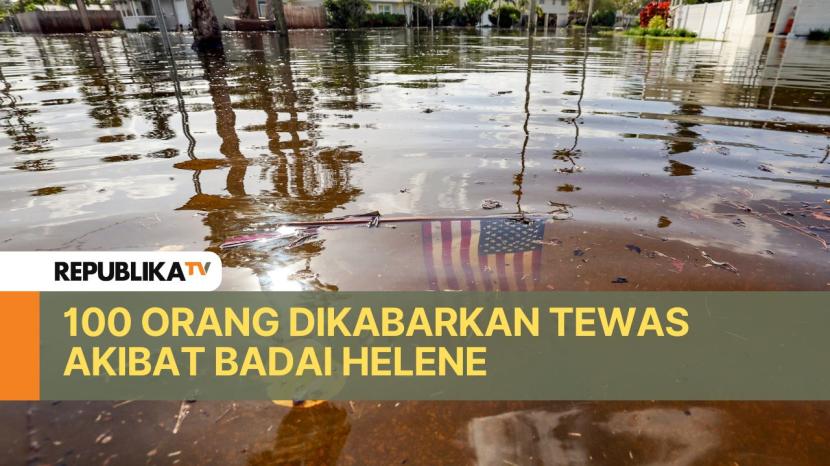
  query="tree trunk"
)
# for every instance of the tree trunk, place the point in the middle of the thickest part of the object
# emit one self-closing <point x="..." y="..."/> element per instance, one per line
<point x="246" y="9"/>
<point x="84" y="17"/>
<point x="276" y="9"/>
<point x="206" y="32"/>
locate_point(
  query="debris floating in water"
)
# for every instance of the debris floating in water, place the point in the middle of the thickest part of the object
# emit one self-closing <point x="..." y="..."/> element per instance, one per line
<point x="490" y="204"/>
<point x="723" y="265"/>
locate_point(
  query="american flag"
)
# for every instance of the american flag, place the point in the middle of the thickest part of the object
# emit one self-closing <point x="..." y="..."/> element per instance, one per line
<point x="493" y="254"/>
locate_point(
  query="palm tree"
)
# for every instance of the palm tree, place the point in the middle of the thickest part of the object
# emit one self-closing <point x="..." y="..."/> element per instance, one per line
<point x="206" y="32"/>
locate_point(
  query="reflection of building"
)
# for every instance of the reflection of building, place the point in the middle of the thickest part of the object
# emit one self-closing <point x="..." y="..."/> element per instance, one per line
<point x="735" y="19"/>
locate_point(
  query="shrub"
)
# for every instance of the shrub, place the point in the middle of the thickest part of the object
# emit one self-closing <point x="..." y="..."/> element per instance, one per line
<point x="604" y="18"/>
<point x="348" y="14"/>
<point x="447" y="14"/>
<point x="505" y="16"/>
<point x="474" y="9"/>
<point x="657" y="22"/>
<point x="384" y="20"/>
<point x="819" y="34"/>
<point x="659" y="32"/>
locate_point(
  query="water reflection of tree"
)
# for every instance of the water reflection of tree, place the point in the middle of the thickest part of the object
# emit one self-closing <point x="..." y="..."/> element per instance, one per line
<point x="347" y="71"/>
<point x="25" y="135"/>
<point x="305" y="181"/>
<point x="570" y="154"/>
<point x="307" y="436"/>
<point x="684" y="138"/>
<point x="101" y="88"/>
<point x="153" y="103"/>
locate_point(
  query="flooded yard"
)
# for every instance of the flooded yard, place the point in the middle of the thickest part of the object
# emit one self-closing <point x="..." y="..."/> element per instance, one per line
<point x="674" y="148"/>
<point x="630" y="164"/>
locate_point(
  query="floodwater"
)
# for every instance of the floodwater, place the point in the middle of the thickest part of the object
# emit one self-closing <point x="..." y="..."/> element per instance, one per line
<point x="633" y="164"/>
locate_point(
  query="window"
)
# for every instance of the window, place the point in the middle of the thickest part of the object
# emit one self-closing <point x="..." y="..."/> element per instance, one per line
<point x="761" y="6"/>
<point x="384" y="8"/>
<point x="564" y="2"/>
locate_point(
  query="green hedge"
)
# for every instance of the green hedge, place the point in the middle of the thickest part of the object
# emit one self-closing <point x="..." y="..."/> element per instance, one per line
<point x="659" y="32"/>
<point x="374" y="20"/>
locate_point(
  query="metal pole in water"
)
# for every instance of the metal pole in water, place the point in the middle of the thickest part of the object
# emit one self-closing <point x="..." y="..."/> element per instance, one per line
<point x="162" y="26"/>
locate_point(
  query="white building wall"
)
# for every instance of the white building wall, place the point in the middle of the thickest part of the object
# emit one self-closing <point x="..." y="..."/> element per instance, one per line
<point x="744" y="25"/>
<point x="729" y="20"/>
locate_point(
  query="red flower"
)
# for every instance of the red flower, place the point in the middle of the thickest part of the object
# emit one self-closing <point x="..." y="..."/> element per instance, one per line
<point x="653" y="9"/>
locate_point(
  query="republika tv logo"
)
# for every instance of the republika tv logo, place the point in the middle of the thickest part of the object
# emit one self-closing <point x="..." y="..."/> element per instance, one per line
<point x="110" y="271"/>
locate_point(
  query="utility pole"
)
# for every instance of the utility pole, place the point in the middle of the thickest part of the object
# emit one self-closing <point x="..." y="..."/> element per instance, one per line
<point x="84" y="16"/>
<point x="588" y="19"/>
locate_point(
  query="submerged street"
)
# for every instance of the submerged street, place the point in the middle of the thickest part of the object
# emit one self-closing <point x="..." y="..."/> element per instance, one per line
<point x="597" y="162"/>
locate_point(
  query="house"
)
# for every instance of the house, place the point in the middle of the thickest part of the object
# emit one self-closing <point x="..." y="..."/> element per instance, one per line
<point x="556" y="11"/>
<point x="396" y="7"/>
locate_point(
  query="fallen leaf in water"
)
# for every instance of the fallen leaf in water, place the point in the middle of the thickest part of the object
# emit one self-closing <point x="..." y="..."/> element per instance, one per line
<point x="620" y="280"/>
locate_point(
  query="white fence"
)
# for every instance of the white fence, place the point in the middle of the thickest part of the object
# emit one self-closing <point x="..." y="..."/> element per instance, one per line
<point x="708" y="20"/>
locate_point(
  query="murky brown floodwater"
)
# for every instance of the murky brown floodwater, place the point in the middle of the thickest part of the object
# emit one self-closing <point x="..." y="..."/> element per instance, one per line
<point x="646" y="155"/>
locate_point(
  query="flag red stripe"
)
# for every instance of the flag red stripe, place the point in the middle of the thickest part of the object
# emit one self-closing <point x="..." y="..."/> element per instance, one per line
<point x="519" y="270"/>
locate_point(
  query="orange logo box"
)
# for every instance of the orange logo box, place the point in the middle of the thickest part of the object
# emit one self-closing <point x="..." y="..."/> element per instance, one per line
<point x="20" y="346"/>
